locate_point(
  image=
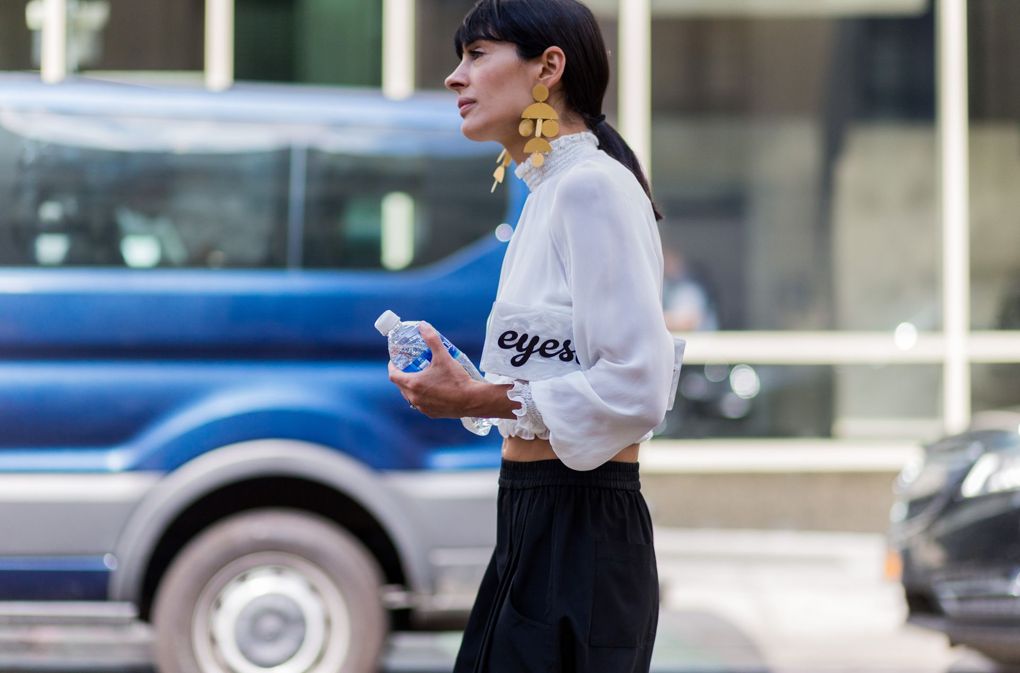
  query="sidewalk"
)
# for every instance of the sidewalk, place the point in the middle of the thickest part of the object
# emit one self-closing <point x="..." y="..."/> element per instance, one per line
<point x="732" y="602"/>
<point x="766" y="602"/>
<point x="802" y="601"/>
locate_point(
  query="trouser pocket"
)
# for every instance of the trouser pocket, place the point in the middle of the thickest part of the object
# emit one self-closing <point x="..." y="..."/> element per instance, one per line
<point x="625" y="595"/>
<point x="521" y="644"/>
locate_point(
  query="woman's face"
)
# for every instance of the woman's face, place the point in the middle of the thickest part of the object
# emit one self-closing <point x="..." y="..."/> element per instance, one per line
<point x="493" y="87"/>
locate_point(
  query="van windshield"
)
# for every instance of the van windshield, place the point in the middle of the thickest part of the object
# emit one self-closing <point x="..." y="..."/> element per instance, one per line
<point x="150" y="192"/>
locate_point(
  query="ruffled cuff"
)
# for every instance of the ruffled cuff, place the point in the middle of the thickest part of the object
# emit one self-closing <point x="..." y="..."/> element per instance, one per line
<point x="529" y="423"/>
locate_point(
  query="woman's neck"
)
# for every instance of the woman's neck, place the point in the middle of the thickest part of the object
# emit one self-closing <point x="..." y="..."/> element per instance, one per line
<point x="567" y="150"/>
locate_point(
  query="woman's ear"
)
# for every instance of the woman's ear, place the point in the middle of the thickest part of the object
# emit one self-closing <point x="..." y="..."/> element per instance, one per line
<point x="553" y="62"/>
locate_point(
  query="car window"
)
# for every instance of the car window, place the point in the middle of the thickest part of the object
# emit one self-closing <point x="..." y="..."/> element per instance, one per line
<point x="88" y="191"/>
<point x="170" y="193"/>
<point x="395" y="211"/>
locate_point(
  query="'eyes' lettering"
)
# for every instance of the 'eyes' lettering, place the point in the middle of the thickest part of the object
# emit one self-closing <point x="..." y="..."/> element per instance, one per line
<point x="526" y="346"/>
<point x="566" y="354"/>
<point x="507" y="338"/>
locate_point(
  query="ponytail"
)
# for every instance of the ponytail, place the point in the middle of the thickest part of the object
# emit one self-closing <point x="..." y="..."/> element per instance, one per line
<point x="613" y="144"/>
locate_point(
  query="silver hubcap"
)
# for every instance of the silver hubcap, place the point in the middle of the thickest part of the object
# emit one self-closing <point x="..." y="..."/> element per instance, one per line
<point x="269" y="630"/>
<point x="271" y="612"/>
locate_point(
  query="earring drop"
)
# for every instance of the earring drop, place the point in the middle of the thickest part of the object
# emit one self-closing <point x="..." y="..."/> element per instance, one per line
<point x="503" y="160"/>
<point x="541" y="119"/>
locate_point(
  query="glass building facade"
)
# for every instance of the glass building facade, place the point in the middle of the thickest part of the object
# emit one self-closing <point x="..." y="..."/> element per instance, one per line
<point x="795" y="152"/>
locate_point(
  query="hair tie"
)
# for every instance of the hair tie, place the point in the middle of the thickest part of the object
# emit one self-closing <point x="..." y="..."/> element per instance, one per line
<point x="598" y="120"/>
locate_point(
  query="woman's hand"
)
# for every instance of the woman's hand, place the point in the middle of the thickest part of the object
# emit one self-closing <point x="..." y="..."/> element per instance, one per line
<point x="444" y="389"/>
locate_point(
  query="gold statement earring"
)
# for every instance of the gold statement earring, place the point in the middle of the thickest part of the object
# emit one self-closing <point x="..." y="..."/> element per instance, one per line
<point x="539" y="118"/>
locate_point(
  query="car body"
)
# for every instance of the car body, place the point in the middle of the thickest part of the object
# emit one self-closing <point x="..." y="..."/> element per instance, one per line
<point x="188" y="285"/>
<point x="956" y="529"/>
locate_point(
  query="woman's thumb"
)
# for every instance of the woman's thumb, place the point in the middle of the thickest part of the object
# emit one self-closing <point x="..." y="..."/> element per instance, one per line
<point x="432" y="340"/>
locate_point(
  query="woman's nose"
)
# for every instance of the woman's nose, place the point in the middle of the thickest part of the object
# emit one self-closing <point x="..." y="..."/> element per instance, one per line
<point x="455" y="80"/>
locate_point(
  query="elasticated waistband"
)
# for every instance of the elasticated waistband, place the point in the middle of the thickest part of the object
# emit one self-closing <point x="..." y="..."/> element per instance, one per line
<point x="533" y="474"/>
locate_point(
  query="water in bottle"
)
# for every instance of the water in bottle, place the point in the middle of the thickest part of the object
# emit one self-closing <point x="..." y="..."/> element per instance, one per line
<point x="410" y="353"/>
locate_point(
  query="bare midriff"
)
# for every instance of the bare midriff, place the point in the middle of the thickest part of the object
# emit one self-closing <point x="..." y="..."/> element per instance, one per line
<point x="526" y="450"/>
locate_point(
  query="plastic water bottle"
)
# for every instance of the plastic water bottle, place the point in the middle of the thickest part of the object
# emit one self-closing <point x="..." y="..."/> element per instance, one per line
<point x="409" y="353"/>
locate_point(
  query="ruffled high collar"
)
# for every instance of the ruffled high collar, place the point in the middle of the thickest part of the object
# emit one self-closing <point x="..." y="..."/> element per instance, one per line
<point x="566" y="151"/>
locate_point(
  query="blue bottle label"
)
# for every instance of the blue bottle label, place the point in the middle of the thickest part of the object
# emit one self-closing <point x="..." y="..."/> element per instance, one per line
<point x="419" y="363"/>
<point x="422" y="361"/>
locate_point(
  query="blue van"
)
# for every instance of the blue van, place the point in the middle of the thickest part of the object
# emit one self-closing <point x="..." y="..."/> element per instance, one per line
<point x="196" y="425"/>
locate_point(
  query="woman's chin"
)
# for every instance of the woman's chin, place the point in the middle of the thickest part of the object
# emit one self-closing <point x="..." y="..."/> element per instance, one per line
<point x="473" y="131"/>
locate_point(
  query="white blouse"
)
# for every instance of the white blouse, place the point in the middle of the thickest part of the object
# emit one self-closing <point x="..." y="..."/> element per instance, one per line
<point x="577" y="325"/>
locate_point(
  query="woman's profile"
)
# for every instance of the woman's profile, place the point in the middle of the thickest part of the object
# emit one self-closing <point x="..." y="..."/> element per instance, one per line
<point x="578" y="361"/>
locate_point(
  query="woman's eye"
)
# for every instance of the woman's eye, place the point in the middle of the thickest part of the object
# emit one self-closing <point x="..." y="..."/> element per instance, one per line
<point x="475" y="53"/>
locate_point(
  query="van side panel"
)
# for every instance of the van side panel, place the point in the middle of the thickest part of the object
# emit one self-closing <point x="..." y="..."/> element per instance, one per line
<point x="125" y="391"/>
<point x="97" y="378"/>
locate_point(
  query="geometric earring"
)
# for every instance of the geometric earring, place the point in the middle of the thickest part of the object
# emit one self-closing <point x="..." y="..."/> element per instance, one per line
<point x="540" y="118"/>
<point x="503" y="160"/>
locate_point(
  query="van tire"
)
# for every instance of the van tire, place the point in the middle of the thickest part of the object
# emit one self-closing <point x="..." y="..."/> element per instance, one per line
<point x="291" y="586"/>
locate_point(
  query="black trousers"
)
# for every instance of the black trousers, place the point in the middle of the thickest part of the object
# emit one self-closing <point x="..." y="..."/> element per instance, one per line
<point x="572" y="585"/>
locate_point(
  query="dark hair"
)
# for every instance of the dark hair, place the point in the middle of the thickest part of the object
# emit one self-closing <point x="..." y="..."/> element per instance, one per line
<point x="533" y="26"/>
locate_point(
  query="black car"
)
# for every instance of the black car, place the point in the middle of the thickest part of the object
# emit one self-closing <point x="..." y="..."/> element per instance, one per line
<point x="955" y="525"/>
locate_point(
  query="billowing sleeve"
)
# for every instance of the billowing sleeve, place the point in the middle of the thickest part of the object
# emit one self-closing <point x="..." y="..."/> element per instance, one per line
<point x="612" y="258"/>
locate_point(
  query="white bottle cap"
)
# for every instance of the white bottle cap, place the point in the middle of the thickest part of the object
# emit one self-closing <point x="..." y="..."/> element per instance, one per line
<point x="387" y="321"/>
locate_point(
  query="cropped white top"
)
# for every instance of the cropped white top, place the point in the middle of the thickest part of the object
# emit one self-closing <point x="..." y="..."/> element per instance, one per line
<point x="577" y="325"/>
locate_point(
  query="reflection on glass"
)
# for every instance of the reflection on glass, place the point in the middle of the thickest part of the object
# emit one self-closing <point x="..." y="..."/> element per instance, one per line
<point x="794" y="160"/>
<point x="202" y="193"/>
<point x="995" y="386"/>
<point x="842" y="402"/>
<point x="51" y="249"/>
<point x="397" y="230"/>
<point x="127" y="192"/>
<point x="688" y="302"/>
<point x="141" y="251"/>
<point x="994" y="164"/>
<point x="395" y="211"/>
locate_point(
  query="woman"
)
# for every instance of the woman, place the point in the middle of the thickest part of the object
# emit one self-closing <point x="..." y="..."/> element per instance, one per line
<point x="577" y="357"/>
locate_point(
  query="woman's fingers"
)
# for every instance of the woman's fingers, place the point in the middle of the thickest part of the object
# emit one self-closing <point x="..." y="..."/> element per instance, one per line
<point x="402" y="380"/>
<point x="435" y="391"/>
<point x="434" y="342"/>
<point x="398" y="377"/>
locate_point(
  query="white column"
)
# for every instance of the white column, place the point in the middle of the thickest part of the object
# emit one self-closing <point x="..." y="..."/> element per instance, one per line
<point x="398" y="48"/>
<point x="53" y="56"/>
<point x="953" y="130"/>
<point x="219" y="44"/>
<point x="635" y="78"/>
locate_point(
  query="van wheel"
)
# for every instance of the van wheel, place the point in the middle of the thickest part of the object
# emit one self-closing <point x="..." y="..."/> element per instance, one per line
<point x="270" y="589"/>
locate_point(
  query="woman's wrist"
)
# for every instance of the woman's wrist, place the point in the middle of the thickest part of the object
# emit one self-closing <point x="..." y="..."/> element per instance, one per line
<point x="489" y="400"/>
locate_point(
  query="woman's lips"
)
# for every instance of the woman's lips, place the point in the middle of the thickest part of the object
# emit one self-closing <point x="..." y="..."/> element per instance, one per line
<point x="465" y="106"/>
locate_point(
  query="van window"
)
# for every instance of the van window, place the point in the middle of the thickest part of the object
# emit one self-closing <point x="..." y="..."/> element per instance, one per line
<point x="167" y="193"/>
<point x="89" y="191"/>
<point x="396" y="211"/>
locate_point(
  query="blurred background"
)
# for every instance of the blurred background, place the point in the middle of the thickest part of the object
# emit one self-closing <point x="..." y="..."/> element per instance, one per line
<point x="840" y="181"/>
<point x="793" y="147"/>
